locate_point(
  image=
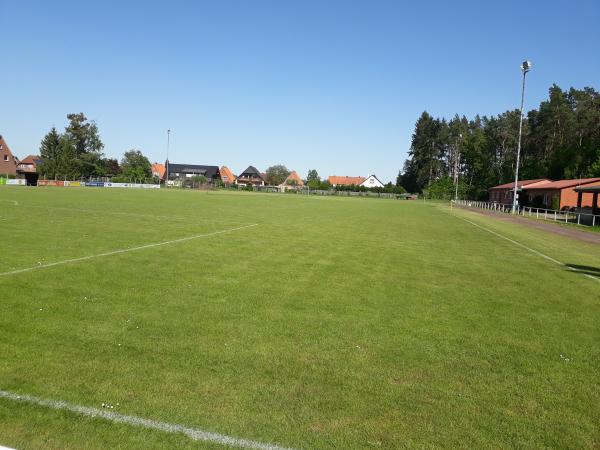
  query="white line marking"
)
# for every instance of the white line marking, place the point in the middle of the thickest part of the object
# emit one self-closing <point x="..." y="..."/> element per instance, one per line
<point x="14" y="202"/>
<point x="123" y="250"/>
<point x="193" y="433"/>
<point x="573" y="269"/>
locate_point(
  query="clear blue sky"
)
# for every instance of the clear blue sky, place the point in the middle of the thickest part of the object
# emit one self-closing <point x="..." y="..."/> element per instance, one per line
<point x="331" y="85"/>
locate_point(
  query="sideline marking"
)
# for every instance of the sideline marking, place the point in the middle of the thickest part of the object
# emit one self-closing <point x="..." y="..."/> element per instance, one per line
<point x="123" y="250"/>
<point x="14" y="202"/>
<point x="549" y="258"/>
<point x="193" y="433"/>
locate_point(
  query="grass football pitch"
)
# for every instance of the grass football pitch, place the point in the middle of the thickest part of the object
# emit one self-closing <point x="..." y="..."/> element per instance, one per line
<point x="291" y="321"/>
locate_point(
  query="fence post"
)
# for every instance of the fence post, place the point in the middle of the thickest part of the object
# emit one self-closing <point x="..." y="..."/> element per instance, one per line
<point x="555" y="216"/>
<point x="578" y="218"/>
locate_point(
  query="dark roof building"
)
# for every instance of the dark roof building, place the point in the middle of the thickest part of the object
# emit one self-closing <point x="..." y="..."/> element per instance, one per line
<point x="182" y="171"/>
<point x="250" y="176"/>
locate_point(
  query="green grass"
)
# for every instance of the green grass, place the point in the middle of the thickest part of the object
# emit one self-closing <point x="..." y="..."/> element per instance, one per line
<point x="334" y="323"/>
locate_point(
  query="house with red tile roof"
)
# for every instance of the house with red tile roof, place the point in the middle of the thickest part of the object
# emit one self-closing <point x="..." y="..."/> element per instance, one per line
<point x="8" y="162"/>
<point x="503" y="193"/>
<point x="559" y="194"/>
<point x="335" y="180"/>
<point x="159" y="170"/>
<point x="227" y="175"/>
<point x="28" y="168"/>
<point x="29" y="164"/>
<point x="293" y="181"/>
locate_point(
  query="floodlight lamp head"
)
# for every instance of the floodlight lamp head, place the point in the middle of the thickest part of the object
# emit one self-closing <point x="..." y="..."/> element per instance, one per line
<point x="526" y="66"/>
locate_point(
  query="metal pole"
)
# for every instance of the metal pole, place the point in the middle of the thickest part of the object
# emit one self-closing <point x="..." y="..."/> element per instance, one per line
<point x="456" y="167"/>
<point x="525" y="67"/>
<point x="167" y="168"/>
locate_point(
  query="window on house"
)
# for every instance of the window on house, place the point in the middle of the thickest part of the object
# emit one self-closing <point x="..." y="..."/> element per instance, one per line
<point x="5" y="157"/>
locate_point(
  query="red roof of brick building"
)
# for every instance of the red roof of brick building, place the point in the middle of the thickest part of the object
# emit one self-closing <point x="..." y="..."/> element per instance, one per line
<point x="520" y="184"/>
<point x="564" y="184"/>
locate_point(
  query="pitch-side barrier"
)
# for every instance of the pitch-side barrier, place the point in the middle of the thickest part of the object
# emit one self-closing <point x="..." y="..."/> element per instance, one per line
<point x="572" y="215"/>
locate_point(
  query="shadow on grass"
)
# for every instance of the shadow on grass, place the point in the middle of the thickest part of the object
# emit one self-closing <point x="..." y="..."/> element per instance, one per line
<point x="589" y="270"/>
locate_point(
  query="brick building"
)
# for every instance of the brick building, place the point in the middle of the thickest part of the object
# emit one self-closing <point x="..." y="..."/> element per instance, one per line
<point x="559" y="194"/>
<point x="503" y="193"/>
<point x="8" y="162"/>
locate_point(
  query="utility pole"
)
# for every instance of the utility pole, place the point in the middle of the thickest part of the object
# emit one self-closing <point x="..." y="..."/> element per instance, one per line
<point x="525" y="67"/>
<point x="167" y="165"/>
<point x="457" y="166"/>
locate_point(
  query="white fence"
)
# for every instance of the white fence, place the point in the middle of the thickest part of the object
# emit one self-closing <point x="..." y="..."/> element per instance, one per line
<point x="567" y="216"/>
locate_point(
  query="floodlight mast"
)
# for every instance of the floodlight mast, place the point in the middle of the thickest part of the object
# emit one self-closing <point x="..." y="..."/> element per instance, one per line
<point x="525" y="67"/>
<point x="167" y="164"/>
<point x="457" y="166"/>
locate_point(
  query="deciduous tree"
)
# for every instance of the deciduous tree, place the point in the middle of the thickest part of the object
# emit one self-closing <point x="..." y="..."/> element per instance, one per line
<point x="277" y="174"/>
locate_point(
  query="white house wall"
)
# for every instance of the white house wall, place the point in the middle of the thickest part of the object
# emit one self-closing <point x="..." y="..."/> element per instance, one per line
<point x="372" y="182"/>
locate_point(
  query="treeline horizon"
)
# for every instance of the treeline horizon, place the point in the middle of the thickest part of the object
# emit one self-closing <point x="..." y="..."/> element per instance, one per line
<point x="77" y="153"/>
<point x="561" y="139"/>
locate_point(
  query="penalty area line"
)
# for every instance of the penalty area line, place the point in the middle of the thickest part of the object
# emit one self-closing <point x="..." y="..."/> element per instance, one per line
<point x="123" y="250"/>
<point x="536" y="252"/>
<point x="192" y="433"/>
